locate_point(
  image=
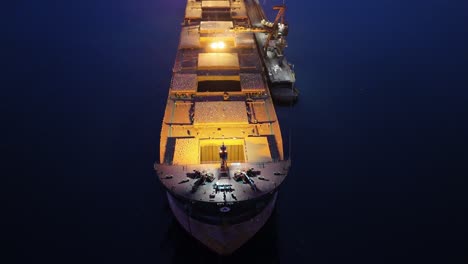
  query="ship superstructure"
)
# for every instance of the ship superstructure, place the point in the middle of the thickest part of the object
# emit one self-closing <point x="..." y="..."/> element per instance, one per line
<point x="221" y="149"/>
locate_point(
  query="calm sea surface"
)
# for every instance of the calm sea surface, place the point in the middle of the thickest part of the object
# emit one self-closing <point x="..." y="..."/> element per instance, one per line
<point x="379" y="135"/>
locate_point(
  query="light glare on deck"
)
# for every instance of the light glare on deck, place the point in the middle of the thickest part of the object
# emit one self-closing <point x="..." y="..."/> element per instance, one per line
<point x="218" y="45"/>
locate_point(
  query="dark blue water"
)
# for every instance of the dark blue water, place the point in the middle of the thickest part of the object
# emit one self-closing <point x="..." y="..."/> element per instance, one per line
<point x="379" y="136"/>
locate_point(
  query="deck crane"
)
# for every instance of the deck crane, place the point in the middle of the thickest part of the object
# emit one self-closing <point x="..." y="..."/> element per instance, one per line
<point x="277" y="29"/>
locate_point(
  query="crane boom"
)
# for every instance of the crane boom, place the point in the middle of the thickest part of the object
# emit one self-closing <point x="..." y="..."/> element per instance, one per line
<point x="274" y="29"/>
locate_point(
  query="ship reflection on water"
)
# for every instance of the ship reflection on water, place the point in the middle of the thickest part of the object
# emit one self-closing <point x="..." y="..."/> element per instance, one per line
<point x="262" y="248"/>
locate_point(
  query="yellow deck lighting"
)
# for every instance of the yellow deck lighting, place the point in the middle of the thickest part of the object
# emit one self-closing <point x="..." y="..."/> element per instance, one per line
<point x="218" y="45"/>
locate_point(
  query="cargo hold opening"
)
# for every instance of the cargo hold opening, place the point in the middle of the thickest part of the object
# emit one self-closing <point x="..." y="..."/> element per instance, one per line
<point x="209" y="153"/>
<point x="219" y="86"/>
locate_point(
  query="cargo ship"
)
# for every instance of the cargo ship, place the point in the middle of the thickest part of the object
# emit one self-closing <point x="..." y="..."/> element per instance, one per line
<point x="221" y="149"/>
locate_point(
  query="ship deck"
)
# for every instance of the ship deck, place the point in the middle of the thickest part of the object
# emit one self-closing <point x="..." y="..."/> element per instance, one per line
<point x="219" y="96"/>
<point x="175" y="179"/>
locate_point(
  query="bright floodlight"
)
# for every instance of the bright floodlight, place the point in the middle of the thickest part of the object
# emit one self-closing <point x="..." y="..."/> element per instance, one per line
<point x="218" y="45"/>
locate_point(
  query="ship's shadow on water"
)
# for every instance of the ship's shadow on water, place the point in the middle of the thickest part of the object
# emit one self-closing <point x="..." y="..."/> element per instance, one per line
<point x="262" y="248"/>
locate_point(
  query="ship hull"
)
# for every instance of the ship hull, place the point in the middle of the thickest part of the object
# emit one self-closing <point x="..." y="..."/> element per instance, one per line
<point x="226" y="238"/>
<point x="221" y="155"/>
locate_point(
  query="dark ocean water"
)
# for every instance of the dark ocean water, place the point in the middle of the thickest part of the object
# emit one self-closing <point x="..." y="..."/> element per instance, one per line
<point x="379" y="135"/>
